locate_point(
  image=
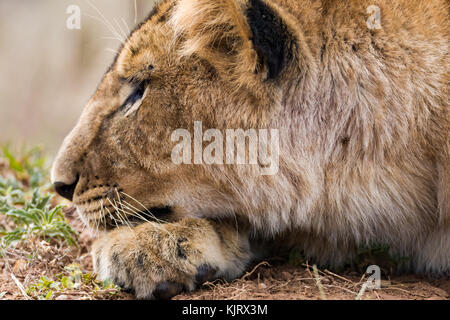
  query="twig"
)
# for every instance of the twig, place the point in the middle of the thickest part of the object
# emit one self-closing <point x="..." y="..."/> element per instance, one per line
<point x="248" y="274"/>
<point x="277" y="286"/>
<point x="339" y="277"/>
<point x="319" y="283"/>
<point x="307" y="266"/>
<point x="406" y="291"/>
<point x="362" y="291"/>
<point x="20" y="286"/>
<point x="341" y="288"/>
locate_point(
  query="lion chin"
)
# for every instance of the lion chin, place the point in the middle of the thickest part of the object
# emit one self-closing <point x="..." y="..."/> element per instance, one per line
<point x="167" y="156"/>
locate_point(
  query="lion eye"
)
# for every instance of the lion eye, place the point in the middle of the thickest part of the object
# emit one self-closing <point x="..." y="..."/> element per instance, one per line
<point x="137" y="93"/>
<point x="135" y="98"/>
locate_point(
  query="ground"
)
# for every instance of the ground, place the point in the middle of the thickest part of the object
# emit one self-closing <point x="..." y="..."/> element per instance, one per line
<point x="43" y="263"/>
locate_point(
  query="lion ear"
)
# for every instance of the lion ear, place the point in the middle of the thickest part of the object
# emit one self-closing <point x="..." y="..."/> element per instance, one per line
<point x="237" y="37"/>
<point x="270" y="36"/>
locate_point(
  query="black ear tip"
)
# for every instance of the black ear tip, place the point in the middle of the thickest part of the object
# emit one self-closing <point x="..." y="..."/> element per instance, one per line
<point x="271" y="37"/>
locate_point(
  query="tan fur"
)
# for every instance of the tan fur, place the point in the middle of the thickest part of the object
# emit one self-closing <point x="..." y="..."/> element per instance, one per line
<point x="364" y="131"/>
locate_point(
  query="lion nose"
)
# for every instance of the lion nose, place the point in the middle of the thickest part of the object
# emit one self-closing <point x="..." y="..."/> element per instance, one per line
<point x="65" y="190"/>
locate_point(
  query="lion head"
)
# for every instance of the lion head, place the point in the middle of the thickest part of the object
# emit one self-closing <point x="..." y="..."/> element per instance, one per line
<point x="178" y="69"/>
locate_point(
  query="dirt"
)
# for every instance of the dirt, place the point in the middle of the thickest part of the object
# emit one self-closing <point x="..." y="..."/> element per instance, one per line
<point x="273" y="280"/>
<point x="285" y="282"/>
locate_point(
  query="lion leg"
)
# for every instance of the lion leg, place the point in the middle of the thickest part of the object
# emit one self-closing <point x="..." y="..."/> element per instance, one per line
<point x="161" y="260"/>
<point x="443" y="195"/>
<point x="434" y="252"/>
<point x="433" y="256"/>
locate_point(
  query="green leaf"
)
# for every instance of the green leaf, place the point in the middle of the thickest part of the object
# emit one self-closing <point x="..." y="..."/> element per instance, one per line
<point x="13" y="162"/>
<point x="49" y="295"/>
<point x="67" y="283"/>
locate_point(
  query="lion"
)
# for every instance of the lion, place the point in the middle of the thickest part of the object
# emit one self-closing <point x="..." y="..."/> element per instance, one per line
<point x="362" y="115"/>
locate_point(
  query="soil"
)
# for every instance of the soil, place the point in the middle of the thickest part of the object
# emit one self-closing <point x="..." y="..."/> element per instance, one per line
<point x="274" y="280"/>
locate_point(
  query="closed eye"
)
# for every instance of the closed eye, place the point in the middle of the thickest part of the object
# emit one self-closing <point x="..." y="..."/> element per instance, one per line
<point x="134" y="100"/>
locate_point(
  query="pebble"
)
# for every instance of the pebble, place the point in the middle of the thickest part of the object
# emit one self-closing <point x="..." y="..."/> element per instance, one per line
<point x="262" y="285"/>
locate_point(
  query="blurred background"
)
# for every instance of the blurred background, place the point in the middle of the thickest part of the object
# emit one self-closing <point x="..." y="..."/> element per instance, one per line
<point x="49" y="71"/>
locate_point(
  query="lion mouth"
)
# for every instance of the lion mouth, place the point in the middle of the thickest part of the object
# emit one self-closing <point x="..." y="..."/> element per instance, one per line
<point x="112" y="219"/>
<point x="106" y="207"/>
<point x="155" y="214"/>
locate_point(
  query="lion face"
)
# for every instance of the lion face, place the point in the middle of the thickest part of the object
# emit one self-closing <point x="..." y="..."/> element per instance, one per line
<point x="116" y="164"/>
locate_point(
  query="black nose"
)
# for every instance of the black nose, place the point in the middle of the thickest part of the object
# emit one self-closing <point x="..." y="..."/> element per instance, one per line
<point x="65" y="190"/>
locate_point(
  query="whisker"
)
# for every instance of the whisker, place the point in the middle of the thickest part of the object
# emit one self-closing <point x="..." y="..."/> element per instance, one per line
<point x="116" y="211"/>
<point x="126" y="214"/>
<point x="127" y="195"/>
<point x="111" y="38"/>
<point x="83" y="225"/>
<point x="136" y="215"/>
<point x="136" y="211"/>
<point x="112" y="217"/>
<point x="133" y="210"/>
<point x="122" y="219"/>
<point x="105" y="21"/>
<point x="107" y="24"/>
<point x="112" y="50"/>
<point x="122" y="216"/>
<point x="102" y="210"/>
<point x="126" y="25"/>
<point x="98" y="226"/>
<point x="116" y="35"/>
<point x="145" y="209"/>
<point x="120" y="28"/>
<point x="155" y="225"/>
<point x="135" y="12"/>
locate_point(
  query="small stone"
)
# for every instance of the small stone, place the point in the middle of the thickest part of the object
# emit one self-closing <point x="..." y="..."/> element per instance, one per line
<point x="262" y="285"/>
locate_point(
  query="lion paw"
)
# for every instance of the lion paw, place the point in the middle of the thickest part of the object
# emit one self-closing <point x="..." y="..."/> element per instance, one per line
<point x="159" y="261"/>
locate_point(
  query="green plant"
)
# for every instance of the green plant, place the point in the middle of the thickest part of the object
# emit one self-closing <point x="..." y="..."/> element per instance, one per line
<point x="72" y="278"/>
<point x="30" y="166"/>
<point x="11" y="194"/>
<point x="37" y="218"/>
<point x="26" y="211"/>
